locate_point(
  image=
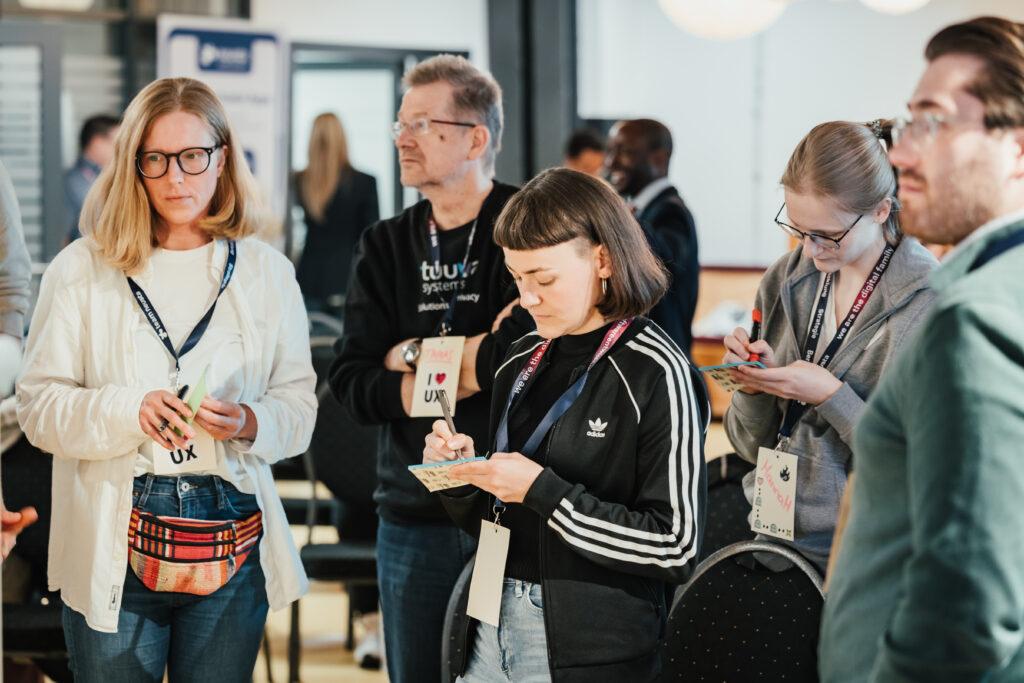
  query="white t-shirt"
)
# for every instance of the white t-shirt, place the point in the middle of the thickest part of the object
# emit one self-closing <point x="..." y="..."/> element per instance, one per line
<point x="183" y="286"/>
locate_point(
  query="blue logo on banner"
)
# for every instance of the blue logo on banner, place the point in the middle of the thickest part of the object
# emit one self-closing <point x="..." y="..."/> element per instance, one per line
<point x="223" y="51"/>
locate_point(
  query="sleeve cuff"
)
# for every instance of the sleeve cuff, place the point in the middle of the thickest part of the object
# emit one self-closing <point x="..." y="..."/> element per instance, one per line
<point x="263" y="426"/>
<point x="131" y="407"/>
<point x="842" y="410"/>
<point x="12" y="323"/>
<point x="546" y="493"/>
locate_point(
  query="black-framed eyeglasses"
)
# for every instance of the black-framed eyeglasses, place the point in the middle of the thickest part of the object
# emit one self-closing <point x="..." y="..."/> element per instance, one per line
<point x="421" y="126"/>
<point x="823" y="241"/>
<point x="192" y="160"/>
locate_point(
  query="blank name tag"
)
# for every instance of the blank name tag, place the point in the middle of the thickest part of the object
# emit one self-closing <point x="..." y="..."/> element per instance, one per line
<point x="488" y="573"/>
<point x="199" y="456"/>
<point x="774" y="494"/>
<point x="438" y="367"/>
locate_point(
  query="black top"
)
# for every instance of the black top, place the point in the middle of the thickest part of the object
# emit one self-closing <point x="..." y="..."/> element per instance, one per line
<point x="564" y="362"/>
<point x="326" y="261"/>
<point x="672" y="235"/>
<point x="397" y="293"/>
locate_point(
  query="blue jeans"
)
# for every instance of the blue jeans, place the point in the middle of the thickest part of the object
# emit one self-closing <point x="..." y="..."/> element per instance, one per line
<point x="417" y="567"/>
<point x="517" y="650"/>
<point x="195" y="638"/>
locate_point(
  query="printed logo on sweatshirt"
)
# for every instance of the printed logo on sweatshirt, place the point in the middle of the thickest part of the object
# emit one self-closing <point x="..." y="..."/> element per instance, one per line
<point x="596" y="428"/>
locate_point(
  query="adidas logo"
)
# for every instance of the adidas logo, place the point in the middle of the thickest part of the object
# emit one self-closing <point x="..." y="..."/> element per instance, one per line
<point x="596" y="428"/>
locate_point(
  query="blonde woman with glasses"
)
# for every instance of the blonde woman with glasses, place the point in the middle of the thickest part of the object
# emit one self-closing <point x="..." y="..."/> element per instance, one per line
<point x="835" y="310"/>
<point x="167" y="368"/>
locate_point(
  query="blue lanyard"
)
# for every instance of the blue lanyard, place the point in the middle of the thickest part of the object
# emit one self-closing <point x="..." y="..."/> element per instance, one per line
<point x="197" y="332"/>
<point x="797" y="409"/>
<point x="435" y="255"/>
<point x="1010" y="241"/>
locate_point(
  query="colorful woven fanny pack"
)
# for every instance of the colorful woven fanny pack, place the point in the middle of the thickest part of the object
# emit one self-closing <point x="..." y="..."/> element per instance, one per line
<point x="172" y="554"/>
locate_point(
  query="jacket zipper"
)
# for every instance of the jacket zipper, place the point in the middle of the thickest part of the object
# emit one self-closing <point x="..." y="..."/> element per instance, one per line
<point x="548" y="641"/>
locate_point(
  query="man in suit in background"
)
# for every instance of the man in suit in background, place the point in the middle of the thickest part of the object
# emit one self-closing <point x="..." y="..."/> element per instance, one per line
<point x="639" y="152"/>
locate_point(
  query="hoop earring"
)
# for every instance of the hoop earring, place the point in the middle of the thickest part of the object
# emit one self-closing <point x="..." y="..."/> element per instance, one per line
<point x="604" y="286"/>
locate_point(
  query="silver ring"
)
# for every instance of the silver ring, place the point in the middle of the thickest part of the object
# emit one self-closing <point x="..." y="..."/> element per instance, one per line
<point x="162" y="427"/>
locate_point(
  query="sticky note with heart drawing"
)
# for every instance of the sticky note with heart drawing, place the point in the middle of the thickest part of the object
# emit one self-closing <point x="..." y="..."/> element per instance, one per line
<point x="439" y="366"/>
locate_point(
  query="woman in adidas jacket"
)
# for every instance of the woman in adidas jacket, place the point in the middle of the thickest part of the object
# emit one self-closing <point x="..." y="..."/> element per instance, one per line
<point x="603" y="490"/>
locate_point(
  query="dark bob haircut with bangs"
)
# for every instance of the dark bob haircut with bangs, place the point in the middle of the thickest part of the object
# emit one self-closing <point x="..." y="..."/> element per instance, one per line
<point x="560" y="205"/>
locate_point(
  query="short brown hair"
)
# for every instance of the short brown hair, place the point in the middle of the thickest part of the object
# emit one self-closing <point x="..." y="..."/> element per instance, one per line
<point x="560" y="205"/>
<point x="847" y="163"/>
<point x="999" y="43"/>
<point x="476" y="93"/>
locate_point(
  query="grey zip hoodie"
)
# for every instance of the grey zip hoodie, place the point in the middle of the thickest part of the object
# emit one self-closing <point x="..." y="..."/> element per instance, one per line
<point x="822" y="439"/>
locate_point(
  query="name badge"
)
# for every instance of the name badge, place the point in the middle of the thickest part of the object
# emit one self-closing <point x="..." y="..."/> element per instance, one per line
<point x="200" y="455"/>
<point x="438" y="367"/>
<point x="488" y="573"/>
<point x="774" y="494"/>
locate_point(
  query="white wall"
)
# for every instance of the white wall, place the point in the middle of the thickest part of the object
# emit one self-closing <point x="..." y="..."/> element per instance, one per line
<point x="420" y="24"/>
<point x="737" y="109"/>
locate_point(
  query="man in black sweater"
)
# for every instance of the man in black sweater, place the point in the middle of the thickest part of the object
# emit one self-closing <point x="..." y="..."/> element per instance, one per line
<point x="404" y="289"/>
<point x="639" y="152"/>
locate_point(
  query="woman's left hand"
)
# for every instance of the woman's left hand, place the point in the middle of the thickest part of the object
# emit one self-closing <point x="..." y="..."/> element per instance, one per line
<point x="508" y="476"/>
<point x="803" y="381"/>
<point x="226" y="420"/>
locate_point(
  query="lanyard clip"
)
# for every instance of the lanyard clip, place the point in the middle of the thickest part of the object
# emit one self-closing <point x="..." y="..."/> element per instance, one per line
<point x="497" y="509"/>
<point x="782" y="444"/>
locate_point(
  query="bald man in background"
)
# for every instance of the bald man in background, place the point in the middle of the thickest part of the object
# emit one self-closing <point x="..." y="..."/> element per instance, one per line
<point x="639" y="152"/>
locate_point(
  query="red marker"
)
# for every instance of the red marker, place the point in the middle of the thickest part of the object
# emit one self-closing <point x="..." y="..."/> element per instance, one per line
<point x="755" y="333"/>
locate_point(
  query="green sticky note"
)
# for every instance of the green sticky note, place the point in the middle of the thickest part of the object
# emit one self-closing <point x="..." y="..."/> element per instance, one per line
<point x="198" y="393"/>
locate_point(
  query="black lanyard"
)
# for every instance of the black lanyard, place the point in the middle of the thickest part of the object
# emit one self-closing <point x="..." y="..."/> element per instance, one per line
<point x="197" y="332"/>
<point x="1006" y="243"/>
<point x="435" y="255"/>
<point x="796" y="409"/>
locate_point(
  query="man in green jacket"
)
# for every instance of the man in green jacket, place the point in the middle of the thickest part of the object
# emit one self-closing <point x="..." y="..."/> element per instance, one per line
<point x="929" y="581"/>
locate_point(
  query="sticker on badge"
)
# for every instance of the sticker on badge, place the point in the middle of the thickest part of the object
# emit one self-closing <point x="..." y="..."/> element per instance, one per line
<point x="488" y="573"/>
<point x="199" y="455"/>
<point x="438" y="367"/>
<point x="774" y="507"/>
<point x="722" y="375"/>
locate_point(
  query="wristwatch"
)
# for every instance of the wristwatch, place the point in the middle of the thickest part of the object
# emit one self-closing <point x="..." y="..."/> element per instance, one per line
<point x="411" y="352"/>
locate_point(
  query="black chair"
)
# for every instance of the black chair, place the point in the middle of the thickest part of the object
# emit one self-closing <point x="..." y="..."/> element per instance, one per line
<point x="349" y="450"/>
<point x="727" y="508"/>
<point x="454" y="623"/>
<point x="737" y="621"/>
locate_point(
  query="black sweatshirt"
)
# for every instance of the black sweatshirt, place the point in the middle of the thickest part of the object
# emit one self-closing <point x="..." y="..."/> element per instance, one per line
<point x="397" y="293"/>
<point x="564" y="362"/>
<point x="619" y="507"/>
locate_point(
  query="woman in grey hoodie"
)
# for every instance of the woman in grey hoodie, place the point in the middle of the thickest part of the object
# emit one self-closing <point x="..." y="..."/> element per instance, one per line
<point x="835" y="311"/>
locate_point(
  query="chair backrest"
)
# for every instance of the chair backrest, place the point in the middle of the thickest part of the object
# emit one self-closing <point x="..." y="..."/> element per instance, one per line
<point x="324" y="324"/>
<point x="455" y="623"/>
<point x="734" y="622"/>
<point x="727" y="507"/>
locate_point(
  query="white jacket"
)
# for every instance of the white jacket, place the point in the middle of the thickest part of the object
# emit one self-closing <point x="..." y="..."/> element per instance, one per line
<point x="79" y="396"/>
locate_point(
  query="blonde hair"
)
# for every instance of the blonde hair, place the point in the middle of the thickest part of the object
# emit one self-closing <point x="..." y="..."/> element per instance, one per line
<point x="476" y="94"/>
<point x="327" y="165"/>
<point x="848" y="163"/>
<point x="117" y="215"/>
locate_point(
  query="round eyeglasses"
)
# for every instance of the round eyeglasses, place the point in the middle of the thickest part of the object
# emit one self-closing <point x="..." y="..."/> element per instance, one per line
<point x="193" y="161"/>
<point x="823" y="241"/>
